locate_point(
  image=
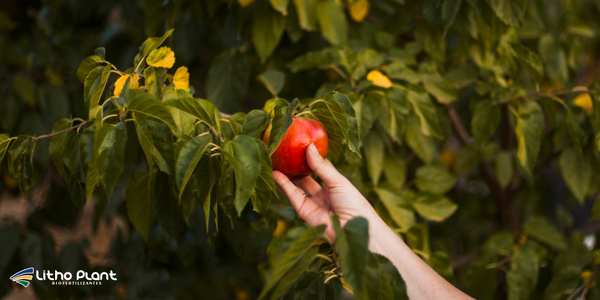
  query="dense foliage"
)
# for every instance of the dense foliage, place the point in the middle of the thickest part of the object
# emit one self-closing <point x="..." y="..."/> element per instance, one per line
<point x="472" y="126"/>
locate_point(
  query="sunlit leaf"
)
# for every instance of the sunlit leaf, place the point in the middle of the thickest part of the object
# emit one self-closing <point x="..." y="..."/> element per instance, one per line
<point x="162" y="57"/>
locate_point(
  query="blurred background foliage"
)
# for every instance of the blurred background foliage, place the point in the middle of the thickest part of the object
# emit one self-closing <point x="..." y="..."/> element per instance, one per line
<point x="487" y="128"/>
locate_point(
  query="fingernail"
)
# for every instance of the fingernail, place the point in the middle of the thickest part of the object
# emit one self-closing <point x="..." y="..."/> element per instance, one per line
<point x="313" y="149"/>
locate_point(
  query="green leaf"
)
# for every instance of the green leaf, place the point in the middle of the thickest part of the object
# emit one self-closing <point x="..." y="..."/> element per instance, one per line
<point x="140" y="196"/>
<point x="382" y="280"/>
<point x="425" y="110"/>
<point x="56" y="146"/>
<point x="273" y="81"/>
<point x="280" y="6"/>
<point x="529" y="130"/>
<point x="397" y="203"/>
<point x="110" y="152"/>
<point x="282" y="120"/>
<point x="21" y="163"/>
<point x="374" y="150"/>
<point x="199" y="108"/>
<point x="184" y="121"/>
<point x="352" y="245"/>
<point x="100" y="52"/>
<point x="243" y="155"/>
<point x="434" y="179"/>
<point x="449" y="10"/>
<point x="226" y="190"/>
<point x="441" y="263"/>
<point x="94" y="87"/>
<point x="394" y="168"/>
<point x="530" y="61"/>
<point x="485" y="120"/>
<point x="168" y="211"/>
<point x="267" y="28"/>
<point x="566" y="271"/>
<point x="86" y="146"/>
<point x="307" y="14"/>
<point x="153" y="43"/>
<point x="576" y="132"/>
<point x="265" y="184"/>
<point x="576" y="172"/>
<point x="255" y="123"/>
<point x="332" y="20"/>
<point x="4" y="143"/>
<point x="87" y="65"/>
<point x="370" y="58"/>
<point x="156" y="141"/>
<point x="154" y="79"/>
<point x="434" y="207"/>
<point x="423" y="146"/>
<point x="227" y="95"/>
<point x="71" y="156"/>
<point x="522" y="275"/>
<point x="503" y="168"/>
<point x="339" y="111"/>
<point x="188" y="158"/>
<point x="510" y="12"/>
<point x="353" y="66"/>
<point x="314" y="59"/>
<point x="298" y="250"/>
<point x="542" y="230"/>
<point x="143" y="103"/>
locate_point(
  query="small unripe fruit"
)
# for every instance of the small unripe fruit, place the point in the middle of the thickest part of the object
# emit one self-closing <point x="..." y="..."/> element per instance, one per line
<point x="290" y="156"/>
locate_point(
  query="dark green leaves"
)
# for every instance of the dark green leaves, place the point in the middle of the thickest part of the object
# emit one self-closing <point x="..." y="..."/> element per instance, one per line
<point x="434" y="179"/>
<point x="87" y="65"/>
<point x="485" y="120"/>
<point x="267" y="28"/>
<point x="522" y="276"/>
<point x="188" y="158"/>
<point x="292" y="262"/>
<point x="255" y="123"/>
<point x="4" y="142"/>
<point x="243" y="156"/>
<point x="529" y="130"/>
<point x="352" y="244"/>
<point x="510" y="12"/>
<point x="156" y="141"/>
<point x="141" y="197"/>
<point x="282" y="120"/>
<point x="542" y="230"/>
<point x="144" y="103"/>
<point x="337" y="115"/>
<point x="273" y="81"/>
<point x="576" y="172"/>
<point x="227" y="82"/>
<point x="20" y="162"/>
<point x="332" y="20"/>
<point x="110" y="151"/>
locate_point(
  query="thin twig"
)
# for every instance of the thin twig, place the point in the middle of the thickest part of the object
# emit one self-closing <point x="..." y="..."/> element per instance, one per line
<point x="59" y="132"/>
<point x="585" y="284"/>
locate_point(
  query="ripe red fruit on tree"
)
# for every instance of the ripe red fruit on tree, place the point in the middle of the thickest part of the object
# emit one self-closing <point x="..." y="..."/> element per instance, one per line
<point x="290" y="156"/>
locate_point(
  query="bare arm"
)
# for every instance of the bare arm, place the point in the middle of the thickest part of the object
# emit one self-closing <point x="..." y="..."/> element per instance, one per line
<point x="314" y="204"/>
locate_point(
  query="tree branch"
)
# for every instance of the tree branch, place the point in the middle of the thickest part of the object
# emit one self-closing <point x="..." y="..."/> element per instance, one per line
<point x="59" y="132"/>
<point x="500" y="194"/>
<point x="585" y="283"/>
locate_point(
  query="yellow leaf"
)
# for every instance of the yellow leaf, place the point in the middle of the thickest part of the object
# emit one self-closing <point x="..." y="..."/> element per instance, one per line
<point x="584" y="101"/>
<point x="181" y="79"/>
<point x="244" y="3"/>
<point x="133" y="83"/>
<point x="282" y="225"/>
<point x="161" y="57"/>
<point x="379" y="79"/>
<point x="359" y="9"/>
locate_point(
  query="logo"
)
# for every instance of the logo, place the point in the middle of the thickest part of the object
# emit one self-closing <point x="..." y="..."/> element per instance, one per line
<point x="23" y="276"/>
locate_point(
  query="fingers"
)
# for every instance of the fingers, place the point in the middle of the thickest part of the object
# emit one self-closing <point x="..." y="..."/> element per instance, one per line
<point x="324" y="168"/>
<point x="309" y="185"/>
<point x="301" y="204"/>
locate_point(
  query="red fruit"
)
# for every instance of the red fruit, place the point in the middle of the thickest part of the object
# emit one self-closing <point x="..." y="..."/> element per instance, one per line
<point x="290" y="156"/>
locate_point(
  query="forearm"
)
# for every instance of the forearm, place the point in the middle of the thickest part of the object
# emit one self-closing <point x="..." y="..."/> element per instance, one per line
<point x="421" y="280"/>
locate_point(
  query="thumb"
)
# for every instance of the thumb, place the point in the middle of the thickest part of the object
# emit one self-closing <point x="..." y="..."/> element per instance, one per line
<point x="323" y="167"/>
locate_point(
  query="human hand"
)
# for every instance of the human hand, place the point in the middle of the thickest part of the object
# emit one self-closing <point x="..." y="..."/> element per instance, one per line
<point x="314" y="203"/>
